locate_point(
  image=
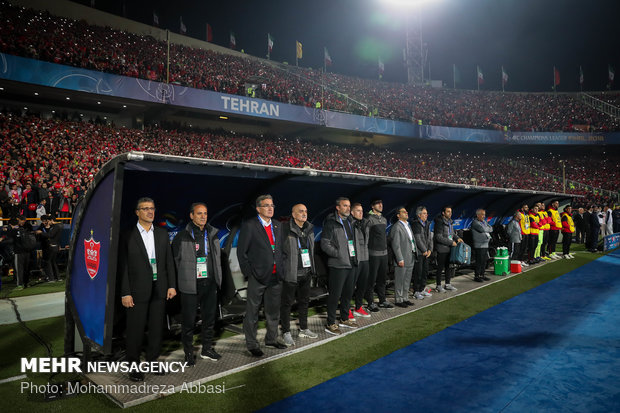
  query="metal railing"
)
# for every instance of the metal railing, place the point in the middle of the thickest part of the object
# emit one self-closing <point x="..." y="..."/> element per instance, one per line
<point x="601" y="106"/>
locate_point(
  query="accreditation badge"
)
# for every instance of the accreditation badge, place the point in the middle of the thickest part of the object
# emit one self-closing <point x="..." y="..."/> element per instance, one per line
<point x="201" y="267"/>
<point x="305" y="259"/>
<point x="153" y="262"/>
<point x="351" y="249"/>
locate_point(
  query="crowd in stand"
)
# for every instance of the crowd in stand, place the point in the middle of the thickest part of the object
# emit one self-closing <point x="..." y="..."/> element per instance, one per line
<point x="56" y="160"/>
<point x="39" y="35"/>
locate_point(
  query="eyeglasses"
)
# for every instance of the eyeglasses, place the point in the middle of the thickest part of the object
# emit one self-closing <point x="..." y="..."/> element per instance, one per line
<point x="147" y="209"/>
<point x="267" y="206"/>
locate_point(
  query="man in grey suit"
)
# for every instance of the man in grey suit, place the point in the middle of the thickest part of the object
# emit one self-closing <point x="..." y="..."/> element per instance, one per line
<point x="403" y="246"/>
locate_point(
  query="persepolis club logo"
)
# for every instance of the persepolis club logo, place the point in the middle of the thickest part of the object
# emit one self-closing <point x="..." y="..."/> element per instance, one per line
<point x="91" y="255"/>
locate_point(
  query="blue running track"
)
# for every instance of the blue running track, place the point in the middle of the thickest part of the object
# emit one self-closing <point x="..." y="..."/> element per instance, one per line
<point x="555" y="348"/>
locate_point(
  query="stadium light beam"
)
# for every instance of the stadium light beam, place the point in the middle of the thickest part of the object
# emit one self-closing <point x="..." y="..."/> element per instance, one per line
<point x="407" y="4"/>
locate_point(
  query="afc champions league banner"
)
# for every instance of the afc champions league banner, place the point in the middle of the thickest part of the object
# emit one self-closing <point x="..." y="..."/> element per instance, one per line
<point x="42" y="73"/>
<point x="611" y="242"/>
<point x="89" y="272"/>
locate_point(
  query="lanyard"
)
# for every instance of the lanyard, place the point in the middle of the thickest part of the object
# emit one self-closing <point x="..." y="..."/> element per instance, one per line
<point x="299" y="243"/>
<point x="345" y="230"/>
<point x="206" y="241"/>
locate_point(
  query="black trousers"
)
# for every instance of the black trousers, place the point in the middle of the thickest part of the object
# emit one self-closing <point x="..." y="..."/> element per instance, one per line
<point x="532" y="242"/>
<point x="567" y="239"/>
<point x="443" y="266"/>
<point x="525" y="247"/>
<point x="420" y="273"/>
<point x="50" y="267"/>
<point x="480" y="254"/>
<point x="377" y="271"/>
<point x="592" y="243"/>
<point x="340" y="288"/>
<point x="145" y="313"/>
<point x="361" y="282"/>
<point x="514" y="249"/>
<point x="291" y="292"/>
<point x="553" y="239"/>
<point x="545" y="243"/>
<point x="270" y="295"/>
<point x="580" y="235"/>
<point x="22" y="268"/>
<point x="206" y="297"/>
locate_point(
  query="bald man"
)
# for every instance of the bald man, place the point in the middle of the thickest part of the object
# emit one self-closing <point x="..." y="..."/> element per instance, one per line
<point x="298" y="236"/>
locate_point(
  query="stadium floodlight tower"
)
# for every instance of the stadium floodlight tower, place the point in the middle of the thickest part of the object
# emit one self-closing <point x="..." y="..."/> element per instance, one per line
<point x="415" y="52"/>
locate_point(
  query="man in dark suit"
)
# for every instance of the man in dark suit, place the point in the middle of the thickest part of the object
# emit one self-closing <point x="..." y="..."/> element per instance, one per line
<point x="147" y="280"/>
<point x="261" y="259"/>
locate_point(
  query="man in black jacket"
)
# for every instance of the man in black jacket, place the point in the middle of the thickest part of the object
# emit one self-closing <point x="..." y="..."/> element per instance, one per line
<point x="424" y="248"/>
<point x="261" y="259"/>
<point x="196" y="251"/>
<point x="377" y="257"/>
<point x="147" y="280"/>
<point x="338" y="242"/>
<point x="49" y="234"/>
<point x="298" y="236"/>
<point x="445" y="238"/>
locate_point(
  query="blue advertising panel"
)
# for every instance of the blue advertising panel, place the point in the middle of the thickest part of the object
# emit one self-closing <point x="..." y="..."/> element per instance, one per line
<point x="89" y="272"/>
<point x="611" y="241"/>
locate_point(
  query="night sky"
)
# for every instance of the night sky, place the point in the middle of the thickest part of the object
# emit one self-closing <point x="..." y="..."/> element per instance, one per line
<point x="527" y="37"/>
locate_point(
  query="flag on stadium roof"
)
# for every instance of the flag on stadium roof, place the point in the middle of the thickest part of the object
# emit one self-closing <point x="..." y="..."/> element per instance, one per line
<point x="269" y="43"/>
<point x="381" y="68"/>
<point x="327" y="58"/>
<point x="456" y="75"/>
<point x="233" y="40"/>
<point x="155" y="19"/>
<point x="556" y="77"/>
<point x="183" y="28"/>
<point x="209" y="33"/>
<point x="611" y="73"/>
<point x="299" y="53"/>
<point x="504" y="78"/>
<point x="480" y="77"/>
<point x="580" y="75"/>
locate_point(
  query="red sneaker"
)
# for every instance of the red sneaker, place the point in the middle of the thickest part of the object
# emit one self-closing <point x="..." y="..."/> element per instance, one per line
<point x="351" y="315"/>
<point x="360" y="312"/>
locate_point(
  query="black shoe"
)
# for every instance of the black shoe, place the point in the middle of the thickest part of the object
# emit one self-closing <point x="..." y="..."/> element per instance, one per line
<point x="485" y="278"/>
<point x="210" y="354"/>
<point x="386" y="304"/>
<point x="373" y="307"/>
<point x="136" y="376"/>
<point x="189" y="359"/>
<point x="277" y="345"/>
<point x="478" y="279"/>
<point x="256" y="352"/>
<point x="409" y="303"/>
<point x="401" y="305"/>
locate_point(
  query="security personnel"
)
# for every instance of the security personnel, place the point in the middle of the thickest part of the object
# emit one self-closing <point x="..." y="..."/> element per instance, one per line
<point x="534" y="248"/>
<point x="556" y="226"/>
<point x="524" y="223"/>
<point x="568" y="227"/>
<point x="545" y="226"/>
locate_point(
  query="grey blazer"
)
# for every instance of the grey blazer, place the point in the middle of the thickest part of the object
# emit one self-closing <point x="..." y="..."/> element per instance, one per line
<point x="401" y="244"/>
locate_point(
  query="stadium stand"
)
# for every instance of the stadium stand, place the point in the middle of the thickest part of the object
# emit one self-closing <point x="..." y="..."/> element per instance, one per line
<point x="40" y="35"/>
